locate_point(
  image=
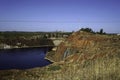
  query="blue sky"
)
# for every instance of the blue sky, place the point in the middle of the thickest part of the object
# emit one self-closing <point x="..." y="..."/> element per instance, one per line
<point x="64" y="15"/>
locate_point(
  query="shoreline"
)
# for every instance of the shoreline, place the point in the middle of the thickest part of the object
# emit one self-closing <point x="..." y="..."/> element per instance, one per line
<point x="27" y="47"/>
<point x="49" y="60"/>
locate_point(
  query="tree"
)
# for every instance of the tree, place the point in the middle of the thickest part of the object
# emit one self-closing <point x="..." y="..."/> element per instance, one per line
<point x="101" y="31"/>
<point x="86" y="30"/>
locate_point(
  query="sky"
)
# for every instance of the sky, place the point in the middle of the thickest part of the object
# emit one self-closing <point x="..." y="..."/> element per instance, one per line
<point x="59" y="15"/>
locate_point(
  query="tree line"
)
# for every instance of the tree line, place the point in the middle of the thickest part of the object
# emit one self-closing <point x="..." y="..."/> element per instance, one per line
<point x="91" y="31"/>
<point x="29" y="38"/>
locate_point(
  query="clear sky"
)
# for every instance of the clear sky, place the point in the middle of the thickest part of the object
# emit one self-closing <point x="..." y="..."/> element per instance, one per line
<point x="60" y="15"/>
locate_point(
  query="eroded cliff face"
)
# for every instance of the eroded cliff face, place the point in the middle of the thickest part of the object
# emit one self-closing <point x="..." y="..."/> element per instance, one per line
<point x="82" y="46"/>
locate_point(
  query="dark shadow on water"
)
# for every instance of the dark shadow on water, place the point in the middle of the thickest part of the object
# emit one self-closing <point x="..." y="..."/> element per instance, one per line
<point x="24" y="58"/>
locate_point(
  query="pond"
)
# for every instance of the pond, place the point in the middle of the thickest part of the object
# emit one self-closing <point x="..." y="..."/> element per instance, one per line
<point x="23" y="58"/>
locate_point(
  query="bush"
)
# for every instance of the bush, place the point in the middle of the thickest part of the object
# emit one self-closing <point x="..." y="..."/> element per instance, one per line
<point x="54" y="68"/>
<point x="86" y="30"/>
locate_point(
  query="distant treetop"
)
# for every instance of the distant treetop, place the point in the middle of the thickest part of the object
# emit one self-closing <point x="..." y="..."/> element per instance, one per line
<point x="87" y="30"/>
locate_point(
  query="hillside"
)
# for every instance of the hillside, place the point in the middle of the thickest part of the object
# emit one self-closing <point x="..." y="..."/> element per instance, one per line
<point x="82" y="56"/>
<point x="89" y="56"/>
<point x="83" y="45"/>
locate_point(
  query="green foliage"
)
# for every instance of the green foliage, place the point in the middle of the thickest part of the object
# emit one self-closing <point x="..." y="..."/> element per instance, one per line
<point x="101" y="31"/>
<point x="54" y="68"/>
<point x="29" y="38"/>
<point x="91" y="31"/>
<point x="87" y="30"/>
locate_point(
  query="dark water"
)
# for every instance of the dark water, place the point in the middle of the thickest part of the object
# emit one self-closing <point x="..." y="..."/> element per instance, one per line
<point x="24" y="58"/>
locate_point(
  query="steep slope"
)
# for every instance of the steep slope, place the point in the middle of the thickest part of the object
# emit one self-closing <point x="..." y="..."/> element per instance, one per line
<point x="81" y="46"/>
<point x="88" y="56"/>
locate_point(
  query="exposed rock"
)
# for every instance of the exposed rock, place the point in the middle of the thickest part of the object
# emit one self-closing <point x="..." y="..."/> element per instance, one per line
<point x="82" y="46"/>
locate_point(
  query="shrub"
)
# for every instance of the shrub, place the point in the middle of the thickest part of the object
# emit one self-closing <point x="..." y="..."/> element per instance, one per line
<point x="86" y="30"/>
<point x="54" y="68"/>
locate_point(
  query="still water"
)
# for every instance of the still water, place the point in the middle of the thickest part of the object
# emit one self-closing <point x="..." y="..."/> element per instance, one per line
<point x="24" y="58"/>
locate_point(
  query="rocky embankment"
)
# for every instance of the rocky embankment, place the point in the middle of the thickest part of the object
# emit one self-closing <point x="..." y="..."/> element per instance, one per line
<point x="82" y="46"/>
<point x="88" y="56"/>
